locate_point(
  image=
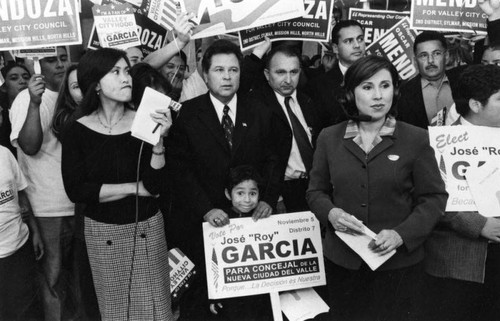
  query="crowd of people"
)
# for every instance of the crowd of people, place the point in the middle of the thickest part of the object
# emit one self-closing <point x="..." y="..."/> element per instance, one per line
<point x="88" y="212"/>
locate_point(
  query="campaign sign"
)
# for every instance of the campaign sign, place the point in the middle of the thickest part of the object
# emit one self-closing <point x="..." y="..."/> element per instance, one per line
<point x="448" y="15"/>
<point x="39" y="23"/>
<point x="376" y="22"/>
<point x="224" y="16"/>
<point x="181" y="272"/>
<point x="151" y="35"/>
<point x="115" y="25"/>
<point x="313" y="26"/>
<point x="397" y="46"/>
<point x="35" y="53"/>
<point x="457" y="148"/>
<point x="279" y="253"/>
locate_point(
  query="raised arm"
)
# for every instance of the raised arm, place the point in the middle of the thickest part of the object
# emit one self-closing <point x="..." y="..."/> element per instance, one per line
<point x="31" y="135"/>
<point x="183" y="29"/>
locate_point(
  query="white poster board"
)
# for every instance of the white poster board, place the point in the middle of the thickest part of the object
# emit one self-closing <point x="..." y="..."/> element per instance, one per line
<point x="457" y="148"/>
<point x="279" y="253"/>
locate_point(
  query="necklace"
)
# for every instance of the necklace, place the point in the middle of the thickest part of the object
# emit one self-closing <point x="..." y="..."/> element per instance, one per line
<point x="109" y="128"/>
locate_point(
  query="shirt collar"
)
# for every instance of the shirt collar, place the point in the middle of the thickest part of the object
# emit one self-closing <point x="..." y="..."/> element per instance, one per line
<point x="387" y="129"/>
<point x="220" y="106"/>
<point x="426" y="82"/>
<point x="342" y="68"/>
<point x="281" y="99"/>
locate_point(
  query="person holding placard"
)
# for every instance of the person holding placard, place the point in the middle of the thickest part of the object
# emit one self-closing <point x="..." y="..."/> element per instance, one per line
<point x="39" y="156"/>
<point x="374" y="172"/>
<point x="213" y="133"/>
<point x="463" y="252"/>
<point x="118" y="179"/>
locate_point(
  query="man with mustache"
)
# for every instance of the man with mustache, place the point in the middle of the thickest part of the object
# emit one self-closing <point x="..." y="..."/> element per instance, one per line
<point x="426" y="99"/>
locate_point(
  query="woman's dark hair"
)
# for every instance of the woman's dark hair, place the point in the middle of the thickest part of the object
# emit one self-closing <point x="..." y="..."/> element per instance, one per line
<point x="65" y="105"/>
<point x="360" y="71"/>
<point x="93" y="66"/>
<point x="143" y="75"/>
<point x="240" y="174"/>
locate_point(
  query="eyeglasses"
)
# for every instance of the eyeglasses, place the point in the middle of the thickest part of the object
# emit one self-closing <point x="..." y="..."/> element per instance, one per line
<point x="435" y="54"/>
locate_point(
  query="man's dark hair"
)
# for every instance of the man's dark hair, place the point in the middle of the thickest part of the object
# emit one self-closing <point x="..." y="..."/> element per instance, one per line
<point x="341" y="25"/>
<point x="240" y="174"/>
<point x="478" y="82"/>
<point x="430" y="36"/>
<point x="288" y="51"/>
<point x="220" y="47"/>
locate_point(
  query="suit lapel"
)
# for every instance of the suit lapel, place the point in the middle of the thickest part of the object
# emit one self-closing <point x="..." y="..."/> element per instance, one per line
<point x="243" y="121"/>
<point x="354" y="149"/>
<point x="270" y="96"/>
<point x="208" y="116"/>
<point x="419" y="98"/>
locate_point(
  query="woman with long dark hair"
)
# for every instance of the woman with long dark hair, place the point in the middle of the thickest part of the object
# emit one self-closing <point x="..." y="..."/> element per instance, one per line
<point x="118" y="177"/>
<point x="381" y="172"/>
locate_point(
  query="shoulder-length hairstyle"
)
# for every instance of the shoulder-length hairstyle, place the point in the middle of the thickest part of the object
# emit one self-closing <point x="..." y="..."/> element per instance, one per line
<point x="66" y="106"/>
<point x="360" y="71"/>
<point x="93" y="66"/>
<point x="143" y="75"/>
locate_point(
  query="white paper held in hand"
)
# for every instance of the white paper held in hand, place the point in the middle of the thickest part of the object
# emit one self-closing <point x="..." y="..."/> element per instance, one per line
<point x="143" y="125"/>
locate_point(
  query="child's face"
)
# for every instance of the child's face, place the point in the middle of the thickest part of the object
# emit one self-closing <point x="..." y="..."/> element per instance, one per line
<point x="245" y="196"/>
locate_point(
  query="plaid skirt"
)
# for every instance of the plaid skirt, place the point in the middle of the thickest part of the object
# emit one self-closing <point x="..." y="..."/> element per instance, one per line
<point x="128" y="286"/>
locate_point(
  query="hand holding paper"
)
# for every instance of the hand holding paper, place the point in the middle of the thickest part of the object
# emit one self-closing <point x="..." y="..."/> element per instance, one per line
<point x="144" y="123"/>
<point x="360" y="243"/>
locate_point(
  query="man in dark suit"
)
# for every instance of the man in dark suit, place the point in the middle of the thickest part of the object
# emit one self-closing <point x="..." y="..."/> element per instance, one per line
<point x="426" y="99"/>
<point x="349" y="45"/>
<point x="213" y="133"/>
<point x="294" y="123"/>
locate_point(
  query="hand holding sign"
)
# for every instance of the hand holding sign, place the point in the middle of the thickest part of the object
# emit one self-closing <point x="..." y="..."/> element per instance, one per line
<point x="36" y="88"/>
<point x="183" y="27"/>
<point x="491" y="8"/>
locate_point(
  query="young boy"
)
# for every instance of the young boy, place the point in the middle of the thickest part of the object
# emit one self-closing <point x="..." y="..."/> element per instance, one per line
<point x="17" y="258"/>
<point x="242" y="189"/>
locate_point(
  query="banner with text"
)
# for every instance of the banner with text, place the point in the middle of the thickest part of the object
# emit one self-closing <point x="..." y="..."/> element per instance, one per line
<point x="442" y="15"/>
<point x="219" y="17"/>
<point x="151" y="35"/>
<point x="458" y="148"/>
<point x="313" y="26"/>
<point x="39" y="23"/>
<point x="279" y="253"/>
<point x="397" y="46"/>
<point x="115" y="25"/>
<point x="376" y="22"/>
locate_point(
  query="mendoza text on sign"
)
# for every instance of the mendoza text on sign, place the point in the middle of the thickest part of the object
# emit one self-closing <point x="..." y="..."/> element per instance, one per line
<point x="39" y="23"/>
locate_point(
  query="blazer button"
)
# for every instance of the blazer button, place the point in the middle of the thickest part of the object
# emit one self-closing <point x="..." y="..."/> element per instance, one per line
<point x="363" y="205"/>
<point x="363" y="166"/>
<point x="109" y="242"/>
<point x="143" y="235"/>
<point x="363" y="186"/>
